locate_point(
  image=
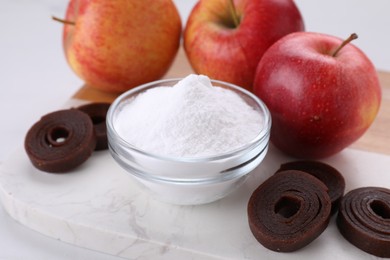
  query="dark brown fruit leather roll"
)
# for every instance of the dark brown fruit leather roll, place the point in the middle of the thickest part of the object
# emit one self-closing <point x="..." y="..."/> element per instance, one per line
<point x="364" y="219"/>
<point x="289" y="210"/>
<point x="97" y="112"/>
<point x="331" y="177"/>
<point x="60" y="141"/>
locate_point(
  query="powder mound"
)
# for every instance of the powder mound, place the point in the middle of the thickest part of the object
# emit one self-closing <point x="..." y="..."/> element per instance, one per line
<point x="191" y="119"/>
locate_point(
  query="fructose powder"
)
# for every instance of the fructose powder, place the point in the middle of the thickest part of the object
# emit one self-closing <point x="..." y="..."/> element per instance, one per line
<point x="191" y="119"/>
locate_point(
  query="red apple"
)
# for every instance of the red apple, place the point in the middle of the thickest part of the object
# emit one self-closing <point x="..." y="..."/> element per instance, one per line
<point x="321" y="97"/>
<point x="117" y="45"/>
<point x="225" y="40"/>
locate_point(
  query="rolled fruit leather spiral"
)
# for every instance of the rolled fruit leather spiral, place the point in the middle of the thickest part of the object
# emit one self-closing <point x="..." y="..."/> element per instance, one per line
<point x="331" y="177"/>
<point x="289" y="210"/>
<point x="60" y="141"/>
<point x="364" y="219"/>
<point x="98" y="112"/>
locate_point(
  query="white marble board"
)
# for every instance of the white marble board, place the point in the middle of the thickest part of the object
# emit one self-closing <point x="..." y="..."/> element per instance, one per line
<point x="98" y="206"/>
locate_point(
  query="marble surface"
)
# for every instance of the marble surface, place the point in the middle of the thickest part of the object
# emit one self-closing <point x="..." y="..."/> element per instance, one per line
<point x="99" y="207"/>
<point x="35" y="80"/>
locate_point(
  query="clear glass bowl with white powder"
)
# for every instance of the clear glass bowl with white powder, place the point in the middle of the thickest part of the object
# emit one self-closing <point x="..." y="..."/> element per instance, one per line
<point x="188" y="141"/>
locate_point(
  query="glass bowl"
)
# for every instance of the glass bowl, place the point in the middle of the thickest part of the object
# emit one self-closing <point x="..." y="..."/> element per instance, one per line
<point x="188" y="181"/>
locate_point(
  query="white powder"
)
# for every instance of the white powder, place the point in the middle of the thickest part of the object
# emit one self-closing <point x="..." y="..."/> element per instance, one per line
<point x="191" y="119"/>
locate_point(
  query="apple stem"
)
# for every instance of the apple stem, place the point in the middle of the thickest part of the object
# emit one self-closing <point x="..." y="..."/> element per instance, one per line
<point x="345" y="42"/>
<point x="63" y="21"/>
<point x="233" y="12"/>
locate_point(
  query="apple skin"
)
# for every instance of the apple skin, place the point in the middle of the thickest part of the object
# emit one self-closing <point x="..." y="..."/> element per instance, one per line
<point x="319" y="104"/>
<point x="221" y="52"/>
<point x="117" y="45"/>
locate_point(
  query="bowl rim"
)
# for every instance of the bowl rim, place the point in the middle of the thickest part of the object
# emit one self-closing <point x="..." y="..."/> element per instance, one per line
<point x="265" y="131"/>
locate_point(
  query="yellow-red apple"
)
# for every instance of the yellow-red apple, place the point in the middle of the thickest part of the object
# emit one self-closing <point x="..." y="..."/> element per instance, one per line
<point x="323" y="93"/>
<point x="117" y="45"/>
<point x="225" y="39"/>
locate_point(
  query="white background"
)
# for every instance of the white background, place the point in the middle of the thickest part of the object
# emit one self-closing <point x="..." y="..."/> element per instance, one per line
<point x="35" y="79"/>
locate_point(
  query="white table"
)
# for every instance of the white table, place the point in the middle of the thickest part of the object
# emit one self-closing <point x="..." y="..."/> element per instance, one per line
<point x="35" y="79"/>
